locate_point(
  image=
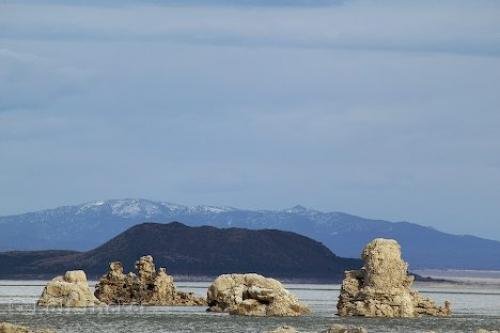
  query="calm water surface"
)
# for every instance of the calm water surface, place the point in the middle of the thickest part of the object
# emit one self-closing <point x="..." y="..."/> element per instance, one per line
<point x="474" y="306"/>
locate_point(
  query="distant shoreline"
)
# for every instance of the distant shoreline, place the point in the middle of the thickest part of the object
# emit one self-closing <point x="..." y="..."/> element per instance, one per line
<point x="467" y="276"/>
<point x="207" y="278"/>
<point x="178" y="279"/>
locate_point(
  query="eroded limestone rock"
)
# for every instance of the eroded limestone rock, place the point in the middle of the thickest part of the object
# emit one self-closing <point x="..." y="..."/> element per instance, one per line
<point x="10" y="328"/>
<point x="148" y="287"/>
<point x="70" y="290"/>
<point x="252" y="295"/>
<point x="382" y="288"/>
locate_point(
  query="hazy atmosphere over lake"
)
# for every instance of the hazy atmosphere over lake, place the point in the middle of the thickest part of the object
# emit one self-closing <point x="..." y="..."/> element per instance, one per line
<point x="385" y="109"/>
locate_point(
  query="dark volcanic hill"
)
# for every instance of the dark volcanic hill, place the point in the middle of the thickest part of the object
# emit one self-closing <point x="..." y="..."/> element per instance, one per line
<point x="192" y="251"/>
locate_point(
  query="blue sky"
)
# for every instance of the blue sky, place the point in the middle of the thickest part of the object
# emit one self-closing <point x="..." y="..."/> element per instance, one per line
<point x="385" y="109"/>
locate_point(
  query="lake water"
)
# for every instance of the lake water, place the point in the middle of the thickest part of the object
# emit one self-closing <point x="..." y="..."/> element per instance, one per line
<point x="475" y="306"/>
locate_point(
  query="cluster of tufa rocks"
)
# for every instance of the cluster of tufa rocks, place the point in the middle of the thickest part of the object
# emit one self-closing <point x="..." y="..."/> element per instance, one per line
<point x="148" y="287"/>
<point x="70" y="290"/>
<point x="382" y="288"/>
<point x="11" y="328"/>
<point x="252" y="295"/>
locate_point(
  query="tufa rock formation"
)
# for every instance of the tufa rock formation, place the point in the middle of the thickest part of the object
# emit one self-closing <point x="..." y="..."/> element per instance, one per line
<point x="148" y="287"/>
<point x="382" y="288"/>
<point x="10" y="328"/>
<point x="252" y="295"/>
<point x="70" y="290"/>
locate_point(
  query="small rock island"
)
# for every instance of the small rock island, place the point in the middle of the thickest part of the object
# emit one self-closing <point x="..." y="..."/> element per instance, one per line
<point x="252" y="295"/>
<point x="148" y="287"/>
<point x="70" y="290"/>
<point x="382" y="288"/>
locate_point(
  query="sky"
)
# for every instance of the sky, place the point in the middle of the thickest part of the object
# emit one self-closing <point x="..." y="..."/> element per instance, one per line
<point x="383" y="109"/>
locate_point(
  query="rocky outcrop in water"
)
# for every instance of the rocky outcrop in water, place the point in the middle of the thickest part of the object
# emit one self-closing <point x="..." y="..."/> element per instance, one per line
<point x="70" y="290"/>
<point x="382" y="288"/>
<point x="252" y="295"/>
<point x="10" y="328"/>
<point x="148" y="287"/>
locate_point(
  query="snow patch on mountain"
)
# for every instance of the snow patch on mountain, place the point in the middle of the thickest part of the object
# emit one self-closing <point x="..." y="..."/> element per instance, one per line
<point x="94" y="205"/>
<point x="212" y="209"/>
<point x="134" y="207"/>
<point x="146" y="209"/>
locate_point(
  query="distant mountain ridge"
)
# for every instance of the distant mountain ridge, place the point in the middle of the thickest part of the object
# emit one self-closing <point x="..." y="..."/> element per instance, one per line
<point x="85" y="226"/>
<point x="192" y="251"/>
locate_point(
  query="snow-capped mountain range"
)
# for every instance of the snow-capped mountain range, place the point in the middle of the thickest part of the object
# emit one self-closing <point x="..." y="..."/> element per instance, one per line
<point x="130" y="208"/>
<point x="85" y="226"/>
